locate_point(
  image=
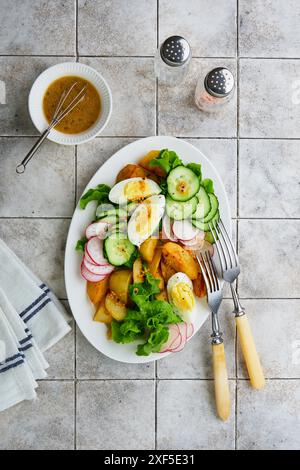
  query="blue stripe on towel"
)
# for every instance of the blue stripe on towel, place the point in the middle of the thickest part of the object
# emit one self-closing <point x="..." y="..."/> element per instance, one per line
<point x="25" y="348"/>
<point x="27" y="309"/>
<point x="23" y="341"/>
<point x="12" y="366"/>
<point x="12" y="358"/>
<point x="42" y="286"/>
<point x="32" y="314"/>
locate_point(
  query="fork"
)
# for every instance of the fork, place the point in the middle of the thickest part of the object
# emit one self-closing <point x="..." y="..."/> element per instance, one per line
<point x="214" y="298"/>
<point x="230" y="271"/>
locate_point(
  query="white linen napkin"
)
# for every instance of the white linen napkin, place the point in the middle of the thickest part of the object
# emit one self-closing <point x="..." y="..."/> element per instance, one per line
<point x="31" y="321"/>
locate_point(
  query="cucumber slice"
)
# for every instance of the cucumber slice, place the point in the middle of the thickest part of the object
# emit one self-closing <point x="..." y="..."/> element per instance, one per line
<point x="130" y="208"/>
<point x="182" y="183"/>
<point x="214" y="207"/>
<point x="110" y="219"/>
<point x="204" y="204"/>
<point x="103" y="211"/>
<point x="209" y="238"/>
<point x="180" y="210"/>
<point x="120" y="227"/>
<point x="118" y="249"/>
<point x="204" y="225"/>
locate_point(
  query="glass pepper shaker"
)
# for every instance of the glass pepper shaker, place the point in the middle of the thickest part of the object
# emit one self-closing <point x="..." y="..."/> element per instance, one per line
<point x="215" y="90"/>
<point x="172" y="60"/>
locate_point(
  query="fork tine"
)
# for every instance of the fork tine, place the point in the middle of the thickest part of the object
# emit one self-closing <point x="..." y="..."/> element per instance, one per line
<point x="229" y="241"/>
<point x="213" y="271"/>
<point x="208" y="271"/>
<point x="202" y="267"/>
<point x="222" y="256"/>
<point x="225" y="245"/>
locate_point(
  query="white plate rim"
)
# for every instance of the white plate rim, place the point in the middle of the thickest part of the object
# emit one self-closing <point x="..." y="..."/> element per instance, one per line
<point x="76" y="286"/>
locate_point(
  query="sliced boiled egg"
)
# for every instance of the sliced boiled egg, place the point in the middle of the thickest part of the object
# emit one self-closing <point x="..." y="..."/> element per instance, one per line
<point x="181" y="296"/>
<point x="133" y="189"/>
<point x="145" y="219"/>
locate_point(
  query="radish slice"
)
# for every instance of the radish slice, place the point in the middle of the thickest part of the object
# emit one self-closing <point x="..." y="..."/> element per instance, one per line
<point x="177" y="342"/>
<point x="205" y="246"/>
<point x="183" y="332"/>
<point x="88" y="276"/>
<point x="94" y="248"/>
<point x="197" y="240"/>
<point x="101" y="270"/>
<point x="173" y="335"/>
<point x="167" y="229"/>
<point x="184" y="230"/>
<point x="190" y="330"/>
<point x="88" y="258"/>
<point x="97" y="229"/>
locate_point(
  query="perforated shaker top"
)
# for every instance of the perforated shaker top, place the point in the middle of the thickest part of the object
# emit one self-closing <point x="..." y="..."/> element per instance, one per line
<point x="219" y="82"/>
<point x="175" y="51"/>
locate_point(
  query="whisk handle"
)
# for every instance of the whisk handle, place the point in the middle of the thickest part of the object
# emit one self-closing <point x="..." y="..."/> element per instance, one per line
<point x="22" y="166"/>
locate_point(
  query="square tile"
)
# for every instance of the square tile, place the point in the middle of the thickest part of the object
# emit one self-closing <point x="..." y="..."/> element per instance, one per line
<point x="269" y="98"/>
<point x="40" y="244"/>
<point x="18" y="75"/>
<point x="46" y="423"/>
<point x="34" y="28"/>
<point x="109" y="415"/>
<point x="269" y="421"/>
<point x="178" y="114"/>
<point x="24" y="195"/>
<point x="223" y="155"/>
<point x="269" y="252"/>
<point x="91" y="364"/>
<point x="276" y="319"/>
<point x="126" y="29"/>
<point x="210" y="27"/>
<point x="187" y="418"/>
<point x="264" y="165"/>
<point x="195" y="360"/>
<point x="92" y="155"/>
<point x="132" y="83"/>
<point x="269" y="28"/>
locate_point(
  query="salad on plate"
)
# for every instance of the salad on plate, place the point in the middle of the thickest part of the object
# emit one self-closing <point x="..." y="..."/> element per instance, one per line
<point x="139" y="251"/>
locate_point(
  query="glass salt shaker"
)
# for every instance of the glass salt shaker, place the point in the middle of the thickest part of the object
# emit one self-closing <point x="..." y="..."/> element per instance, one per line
<point x="172" y="60"/>
<point x="215" y="90"/>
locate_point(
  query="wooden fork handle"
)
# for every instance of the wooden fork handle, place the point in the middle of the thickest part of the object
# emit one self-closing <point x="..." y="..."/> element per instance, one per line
<point x="249" y="351"/>
<point x="221" y="381"/>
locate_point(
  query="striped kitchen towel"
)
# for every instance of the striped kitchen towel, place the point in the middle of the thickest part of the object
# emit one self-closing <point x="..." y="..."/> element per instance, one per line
<point x="31" y="321"/>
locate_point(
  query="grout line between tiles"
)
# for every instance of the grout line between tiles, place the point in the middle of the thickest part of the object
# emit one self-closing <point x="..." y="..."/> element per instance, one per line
<point x="151" y="56"/>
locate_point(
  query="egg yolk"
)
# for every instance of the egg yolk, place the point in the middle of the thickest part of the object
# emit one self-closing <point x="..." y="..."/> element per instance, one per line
<point x="182" y="296"/>
<point x="144" y="219"/>
<point x="136" y="190"/>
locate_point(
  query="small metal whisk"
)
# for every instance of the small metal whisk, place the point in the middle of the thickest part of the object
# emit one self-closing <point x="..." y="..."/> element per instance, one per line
<point x="59" y="114"/>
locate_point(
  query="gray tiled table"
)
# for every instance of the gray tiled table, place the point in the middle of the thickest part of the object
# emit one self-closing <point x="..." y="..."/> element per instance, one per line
<point x="89" y="401"/>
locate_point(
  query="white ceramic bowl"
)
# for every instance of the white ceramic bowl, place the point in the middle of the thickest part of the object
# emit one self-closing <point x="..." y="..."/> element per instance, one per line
<point x="36" y="95"/>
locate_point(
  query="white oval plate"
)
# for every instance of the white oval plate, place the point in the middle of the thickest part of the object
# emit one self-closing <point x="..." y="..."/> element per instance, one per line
<point x="38" y="89"/>
<point x="80" y="305"/>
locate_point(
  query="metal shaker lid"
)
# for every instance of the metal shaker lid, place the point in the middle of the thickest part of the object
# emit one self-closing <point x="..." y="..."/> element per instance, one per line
<point x="219" y="82"/>
<point x="175" y="51"/>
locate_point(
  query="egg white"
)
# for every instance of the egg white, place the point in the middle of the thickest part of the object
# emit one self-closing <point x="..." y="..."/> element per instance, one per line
<point x="117" y="194"/>
<point x="188" y="316"/>
<point x="142" y="225"/>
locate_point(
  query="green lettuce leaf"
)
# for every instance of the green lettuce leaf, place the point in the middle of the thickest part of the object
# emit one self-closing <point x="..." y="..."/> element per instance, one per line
<point x="100" y="194"/>
<point x="80" y="245"/>
<point x="155" y="341"/>
<point x="208" y="185"/>
<point x="196" y="168"/>
<point x="167" y="160"/>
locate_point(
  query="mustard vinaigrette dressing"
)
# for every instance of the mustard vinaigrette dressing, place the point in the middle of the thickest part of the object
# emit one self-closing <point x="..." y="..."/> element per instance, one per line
<point x="84" y="115"/>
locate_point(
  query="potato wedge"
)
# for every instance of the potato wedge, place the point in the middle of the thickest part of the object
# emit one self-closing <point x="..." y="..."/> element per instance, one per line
<point x="145" y="163"/>
<point x="147" y="249"/>
<point x="199" y="286"/>
<point x="115" y="307"/>
<point x="119" y="283"/>
<point x="158" y="275"/>
<point x="154" y="265"/>
<point x="180" y="259"/>
<point x="131" y="171"/>
<point x="162" y="295"/>
<point x="96" y="290"/>
<point x="138" y="271"/>
<point x="166" y="271"/>
<point x="102" y="314"/>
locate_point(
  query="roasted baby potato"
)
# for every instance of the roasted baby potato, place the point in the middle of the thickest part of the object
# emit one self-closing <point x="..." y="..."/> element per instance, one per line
<point x="199" y="286"/>
<point x="102" y="314"/>
<point x="138" y="271"/>
<point x="131" y="171"/>
<point x="162" y="295"/>
<point x="147" y="249"/>
<point x="97" y="290"/>
<point x="145" y="163"/>
<point x="119" y="282"/>
<point x="158" y="275"/>
<point x="166" y="271"/>
<point x="180" y="259"/>
<point x="115" y="307"/>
